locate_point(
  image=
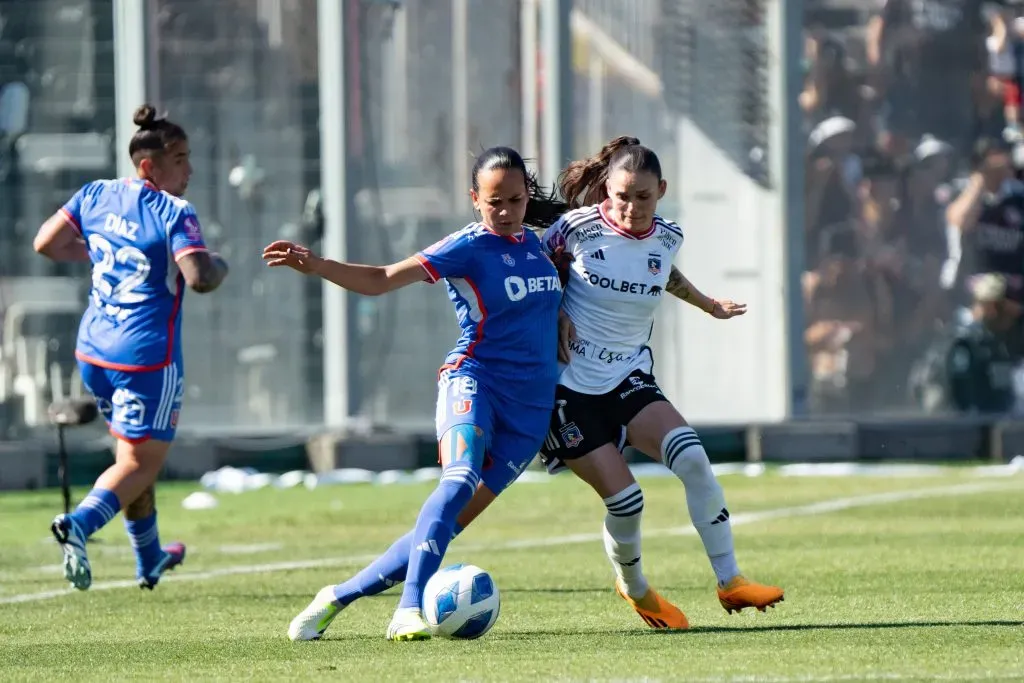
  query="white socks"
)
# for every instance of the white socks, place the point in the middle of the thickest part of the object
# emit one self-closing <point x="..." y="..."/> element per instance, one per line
<point x="684" y="455"/>
<point x="622" y="538"/>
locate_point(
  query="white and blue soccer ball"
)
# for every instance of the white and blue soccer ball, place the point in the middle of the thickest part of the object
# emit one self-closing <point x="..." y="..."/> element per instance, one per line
<point x="461" y="601"/>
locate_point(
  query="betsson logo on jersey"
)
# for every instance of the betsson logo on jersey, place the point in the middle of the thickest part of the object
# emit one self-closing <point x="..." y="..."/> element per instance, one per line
<point x="517" y="288"/>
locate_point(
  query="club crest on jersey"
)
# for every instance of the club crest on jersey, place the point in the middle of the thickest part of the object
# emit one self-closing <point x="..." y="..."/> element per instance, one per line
<point x="653" y="264"/>
<point x="571" y="435"/>
<point x="509" y="261"/>
<point x="192" y="229"/>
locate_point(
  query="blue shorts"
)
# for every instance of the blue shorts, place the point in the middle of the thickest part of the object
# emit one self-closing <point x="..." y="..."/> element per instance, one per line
<point x="513" y="432"/>
<point x="138" y="405"/>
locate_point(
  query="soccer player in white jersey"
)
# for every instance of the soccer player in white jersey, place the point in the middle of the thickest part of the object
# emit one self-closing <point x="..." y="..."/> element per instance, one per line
<point x="618" y="254"/>
<point x="146" y="246"/>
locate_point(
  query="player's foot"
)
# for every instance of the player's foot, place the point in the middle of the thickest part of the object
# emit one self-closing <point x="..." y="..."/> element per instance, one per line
<point x="408" y="624"/>
<point x="76" y="563"/>
<point x="741" y="593"/>
<point x="174" y="554"/>
<point x="318" y="615"/>
<point x="656" y="611"/>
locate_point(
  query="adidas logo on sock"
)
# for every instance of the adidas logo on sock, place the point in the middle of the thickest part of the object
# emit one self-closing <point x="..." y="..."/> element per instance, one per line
<point x="386" y="581"/>
<point x="429" y="546"/>
<point x="722" y="517"/>
<point x="630" y="563"/>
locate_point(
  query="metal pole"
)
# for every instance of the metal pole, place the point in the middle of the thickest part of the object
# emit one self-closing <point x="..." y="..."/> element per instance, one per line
<point x="595" y="107"/>
<point x="460" y="105"/>
<point x="528" y="48"/>
<point x="130" y="71"/>
<point x="557" y="129"/>
<point x="62" y="469"/>
<point x="333" y="155"/>
<point x="785" y="44"/>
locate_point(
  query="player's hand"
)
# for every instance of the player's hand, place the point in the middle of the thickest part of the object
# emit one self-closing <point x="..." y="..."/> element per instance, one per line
<point x="295" y="256"/>
<point x="566" y="333"/>
<point x="723" y="310"/>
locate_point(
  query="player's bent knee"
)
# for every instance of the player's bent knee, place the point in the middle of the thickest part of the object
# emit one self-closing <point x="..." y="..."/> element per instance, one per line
<point x="146" y="456"/>
<point x="682" y="451"/>
<point x="629" y="502"/>
<point x="463" y="443"/>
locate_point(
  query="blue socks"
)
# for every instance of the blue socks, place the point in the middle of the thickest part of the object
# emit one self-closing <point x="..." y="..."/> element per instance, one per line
<point x="93" y="513"/>
<point x="434" y="527"/>
<point x="386" y="571"/>
<point x="417" y="555"/>
<point x="145" y="539"/>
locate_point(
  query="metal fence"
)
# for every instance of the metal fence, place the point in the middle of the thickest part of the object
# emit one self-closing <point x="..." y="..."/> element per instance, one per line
<point x="431" y="82"/>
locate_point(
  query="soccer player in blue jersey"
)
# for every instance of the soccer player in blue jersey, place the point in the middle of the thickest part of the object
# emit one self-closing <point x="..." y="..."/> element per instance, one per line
<point x="145" y="246"/>
<point x="495" y="389"/>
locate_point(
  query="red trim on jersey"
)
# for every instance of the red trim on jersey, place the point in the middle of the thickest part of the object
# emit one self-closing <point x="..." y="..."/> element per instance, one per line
<point x="625" y="232"/>
<point x="71" y="219"/>
<point x="122" y="437"/>
<point x="107" y="365"/>
<point x="178" y="296"/>
<point x="188" y="250"/>
<point x="518" y="238"/>
<point x="145" y="183"/>
<point x="483" y="318"/>
<point x="432" y="274"/>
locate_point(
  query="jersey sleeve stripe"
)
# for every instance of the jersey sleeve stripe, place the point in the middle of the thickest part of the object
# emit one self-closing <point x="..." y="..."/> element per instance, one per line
<point x="432" y="274"/>
<point x="71" y="219"/>
<point x="188" y="250"/>
<point x="671" y="227"/>
<point x="571" y="224"/>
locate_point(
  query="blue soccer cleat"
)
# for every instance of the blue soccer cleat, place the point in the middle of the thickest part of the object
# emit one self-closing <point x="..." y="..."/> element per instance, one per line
<point x="174" y="554"/>
<point x="76" y="562"/>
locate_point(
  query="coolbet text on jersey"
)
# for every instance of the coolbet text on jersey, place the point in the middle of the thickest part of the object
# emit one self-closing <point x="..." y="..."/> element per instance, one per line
<point x="616" y="281"/>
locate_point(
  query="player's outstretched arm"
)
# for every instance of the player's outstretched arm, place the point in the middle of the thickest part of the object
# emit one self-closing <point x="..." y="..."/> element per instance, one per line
<point x="358" y="278"/>
<point x="203" y="271"/>
<point x="681" y="288"/>
<point x="59" y="240"/>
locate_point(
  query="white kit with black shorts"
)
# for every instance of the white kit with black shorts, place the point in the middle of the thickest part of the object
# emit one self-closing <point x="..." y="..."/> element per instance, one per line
<point x="616" y="282"/>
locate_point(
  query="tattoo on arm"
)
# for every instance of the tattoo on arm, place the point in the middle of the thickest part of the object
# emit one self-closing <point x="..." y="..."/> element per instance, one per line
<point x="203" y="271"/>
<point x="677" y="285"/>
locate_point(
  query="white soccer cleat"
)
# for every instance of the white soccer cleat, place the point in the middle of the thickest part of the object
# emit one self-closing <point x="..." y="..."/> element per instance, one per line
<point x="314" y="620"/>
<point x="76" y="563"/>
<point x="408" y="624"/>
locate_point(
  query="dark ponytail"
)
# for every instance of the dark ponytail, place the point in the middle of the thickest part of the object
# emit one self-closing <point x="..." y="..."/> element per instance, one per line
<point x="155" y="134"/>
<point x="542" y="207"/>
<point x="582" y="183"/>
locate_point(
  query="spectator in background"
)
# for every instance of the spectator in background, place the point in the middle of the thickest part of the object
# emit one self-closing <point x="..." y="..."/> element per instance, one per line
<point x="830" y="87"/>
<point x="929" y="60"/>
<point x="842" y="334"/>
<point x="986" y="223"/>
<point x="973" y="371"/>
<point x="1003" y="79"/>
<point x="834" y="172"/>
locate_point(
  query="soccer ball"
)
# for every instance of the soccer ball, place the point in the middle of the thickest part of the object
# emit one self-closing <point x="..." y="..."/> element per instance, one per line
<point x="461" y="601"/>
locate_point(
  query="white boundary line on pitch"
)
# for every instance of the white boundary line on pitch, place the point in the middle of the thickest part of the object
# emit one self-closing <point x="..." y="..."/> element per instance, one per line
<point x="821" y="507"/>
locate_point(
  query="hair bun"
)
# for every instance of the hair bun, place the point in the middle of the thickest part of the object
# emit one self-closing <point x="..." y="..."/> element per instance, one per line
<point x="145" y="116"/>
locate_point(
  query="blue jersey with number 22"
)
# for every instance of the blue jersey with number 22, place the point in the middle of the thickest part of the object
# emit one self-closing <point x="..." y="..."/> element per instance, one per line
<point x="135" y="234"/>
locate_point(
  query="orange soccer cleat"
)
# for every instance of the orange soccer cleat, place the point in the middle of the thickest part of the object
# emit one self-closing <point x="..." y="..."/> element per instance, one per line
<point x="655" y="610"/>
<point x="740" y="593"/>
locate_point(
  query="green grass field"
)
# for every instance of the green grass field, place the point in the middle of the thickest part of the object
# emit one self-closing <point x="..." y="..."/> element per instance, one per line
<point x="889" y="578"/>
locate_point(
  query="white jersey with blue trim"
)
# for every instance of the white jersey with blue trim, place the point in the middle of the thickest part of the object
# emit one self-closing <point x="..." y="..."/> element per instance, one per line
<point x="135" y="234"/>
<point x="616" y="281"/>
